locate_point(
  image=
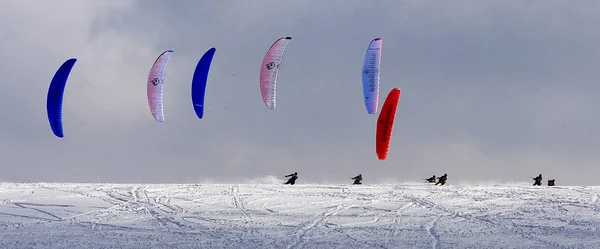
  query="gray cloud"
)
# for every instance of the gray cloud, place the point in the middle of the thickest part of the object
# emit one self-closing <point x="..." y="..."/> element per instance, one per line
<point x="492" y="90"/>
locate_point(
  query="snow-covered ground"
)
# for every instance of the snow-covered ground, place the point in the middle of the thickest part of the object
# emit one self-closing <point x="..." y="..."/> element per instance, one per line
<point x="69" y="215"/>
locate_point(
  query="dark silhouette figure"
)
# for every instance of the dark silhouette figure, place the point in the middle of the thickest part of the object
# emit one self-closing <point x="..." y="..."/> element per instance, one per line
<point x="357" y="179"/>
<point x="430" y="179"/>
<point x="442" y="180"/>
<point x="293" y="178"/>
<point x="551" y="182"/>
<point x="538" y="180"/>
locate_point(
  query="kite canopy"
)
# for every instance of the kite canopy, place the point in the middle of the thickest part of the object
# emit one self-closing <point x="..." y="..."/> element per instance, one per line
<point x="156" y="79"/>
<point x="54" y="100"/>
<point x="385" y="123"/>
<point x="199" y="82"/>
<point x="370" y="75"/>
<point x="270" y="69"/>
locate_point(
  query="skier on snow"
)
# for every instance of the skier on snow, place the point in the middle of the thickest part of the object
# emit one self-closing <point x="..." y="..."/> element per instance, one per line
<point x="442" y="179"/>
<point x="551" y="182"/>
<point x="538" y="180"/>
<point x="430" y="179"/>
<point x="357" y="179"/>
<point x="293" y="178"/>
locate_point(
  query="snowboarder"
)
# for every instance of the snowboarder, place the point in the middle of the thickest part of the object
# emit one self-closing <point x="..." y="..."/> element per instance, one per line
<point x="551" y="182"/>
<point x="430" y="179"/>
<point x="357" y="179"/>
<point x="293" y="178"/>
<point x="442" y="179"/>
<point x="538" y="180"/>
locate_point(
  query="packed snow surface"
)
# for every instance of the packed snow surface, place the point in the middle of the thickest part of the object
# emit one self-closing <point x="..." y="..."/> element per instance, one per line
<point x="71" y="215"/>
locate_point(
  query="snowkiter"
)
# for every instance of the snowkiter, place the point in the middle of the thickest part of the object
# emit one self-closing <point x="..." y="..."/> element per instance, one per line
<point x="293" y="178"/>
<point x="538" y="180"/>
<point x="357" y="179"/>
<point x="430" y="179"/>
<point x="551" y="182"/>
<point x="442" y="180"/>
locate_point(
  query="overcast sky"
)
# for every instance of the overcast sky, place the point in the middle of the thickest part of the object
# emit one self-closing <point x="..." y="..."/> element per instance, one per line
<point x="492" y="91"/>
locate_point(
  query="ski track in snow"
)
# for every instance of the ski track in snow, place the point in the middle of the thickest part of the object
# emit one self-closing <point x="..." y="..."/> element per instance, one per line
<point x="70" y="215"/>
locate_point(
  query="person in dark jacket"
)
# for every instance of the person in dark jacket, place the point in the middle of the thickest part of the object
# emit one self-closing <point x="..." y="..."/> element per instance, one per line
<point x="538" y="180"/>
<point x="293" y="178"/>
<point x="442" y="180"/>
<point x="357" y="179"/>
<point x="430" y="179"/>
<point x="551" y="182"/>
